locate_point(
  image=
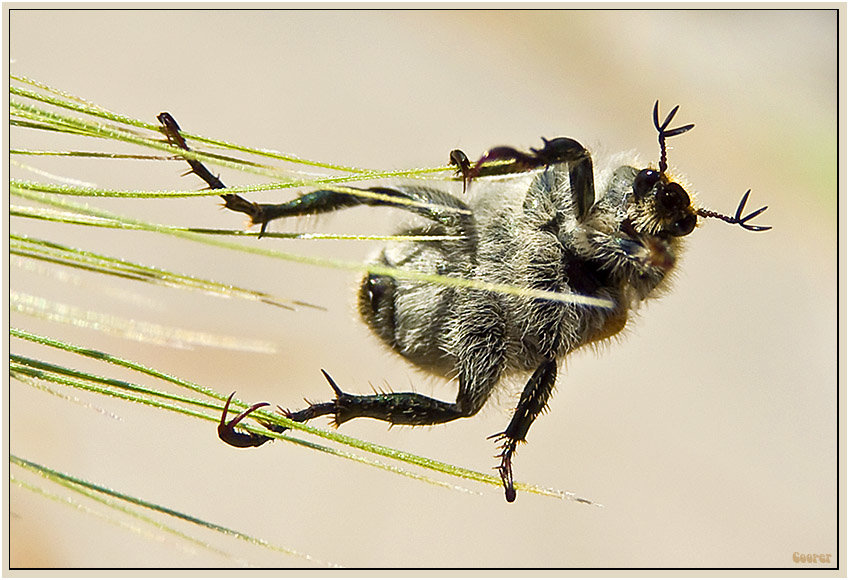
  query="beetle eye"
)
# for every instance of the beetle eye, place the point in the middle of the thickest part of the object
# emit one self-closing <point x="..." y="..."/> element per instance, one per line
<point x="673" y="203"/>
<point x="672" y="198"/>
<point x="684" y="226"/>
<point x="644" y="181"/>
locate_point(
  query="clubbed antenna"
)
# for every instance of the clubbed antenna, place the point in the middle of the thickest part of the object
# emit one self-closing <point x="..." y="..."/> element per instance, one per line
<point x="738" y="219"/>
<point x="663" y="133"/>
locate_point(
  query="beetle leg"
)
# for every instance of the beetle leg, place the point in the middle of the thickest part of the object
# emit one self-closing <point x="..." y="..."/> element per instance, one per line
<point x="532" y="402"/>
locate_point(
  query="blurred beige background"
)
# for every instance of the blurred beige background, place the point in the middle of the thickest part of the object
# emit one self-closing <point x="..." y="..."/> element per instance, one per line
<point x="709" y="433"/>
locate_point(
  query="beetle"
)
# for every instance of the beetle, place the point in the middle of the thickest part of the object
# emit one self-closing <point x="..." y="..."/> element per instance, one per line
<point x="531" y="219"/>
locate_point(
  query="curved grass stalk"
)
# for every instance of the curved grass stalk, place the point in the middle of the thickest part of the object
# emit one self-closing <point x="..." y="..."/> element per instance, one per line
<point x="89" y="154"/>
<point x="91" y="261"/>
<point x="35" y="114"/>
<point x="67" y="101"/>
<point x="91" y="489"/>
<point x="67" y="181"/>
<point x="42" y="118"/>
<point x="48" y="214"/>
<point x="86" y="191"/>
<point x="325" y="262"/>
<point x="146" y="395"/>
<point x="116" y="128"/>
<point x="77" y="104"/>
<point x="39" y="115"/>
<point x="129" y="328"/>
<point x="28" y="370"/>
<point x="114" y="360"/>
<point x="67" y="500"/>
<point x="41" y="386"/>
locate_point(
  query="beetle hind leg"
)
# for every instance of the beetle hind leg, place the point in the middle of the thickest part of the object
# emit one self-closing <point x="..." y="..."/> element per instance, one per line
<point x="394" y="408"/>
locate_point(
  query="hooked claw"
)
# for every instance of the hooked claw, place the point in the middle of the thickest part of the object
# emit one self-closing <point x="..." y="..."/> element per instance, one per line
<point x="461" y="161"/>
<point x="227" y="431"/>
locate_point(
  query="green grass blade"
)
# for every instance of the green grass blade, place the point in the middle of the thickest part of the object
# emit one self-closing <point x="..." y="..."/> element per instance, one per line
<point x="66" y="101"/>
<point x="397" y="273"/>
<point x="114" y="360"/>
<point x="123" y="389"/>
<point x="38" y="106"/>
<point x="132" y="329"/>
<point x="91" y="261"/>
<point x="116" y="506"/>
<point x="58" y="476"/>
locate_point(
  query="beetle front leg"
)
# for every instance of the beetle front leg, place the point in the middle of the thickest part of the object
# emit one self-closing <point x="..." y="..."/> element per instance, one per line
<point x="553" y="151"/>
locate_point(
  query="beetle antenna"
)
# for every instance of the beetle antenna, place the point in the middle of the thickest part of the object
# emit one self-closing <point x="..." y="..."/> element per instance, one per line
<point x="663" y="133"/>
<point x="738" y="219"/>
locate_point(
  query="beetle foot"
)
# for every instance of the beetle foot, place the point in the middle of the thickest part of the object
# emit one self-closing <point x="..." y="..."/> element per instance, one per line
<point x="227" y="430"/>
<point x="255" y="211"/>
<point x="505" y="468"/>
